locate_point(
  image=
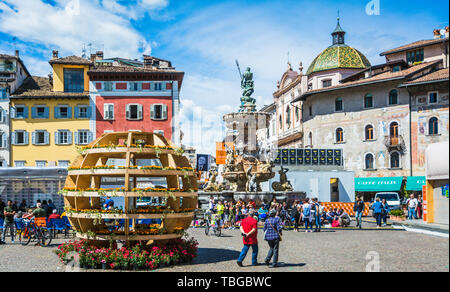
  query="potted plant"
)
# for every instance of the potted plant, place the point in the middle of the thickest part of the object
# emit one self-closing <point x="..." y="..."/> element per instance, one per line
<point x="397" y="215"/>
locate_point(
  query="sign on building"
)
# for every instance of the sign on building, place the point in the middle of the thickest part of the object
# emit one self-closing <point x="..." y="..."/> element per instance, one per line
<point x="313" y="157"/>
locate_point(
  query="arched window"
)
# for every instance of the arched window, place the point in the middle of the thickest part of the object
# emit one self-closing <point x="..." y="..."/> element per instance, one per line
<point x="393" y="97"/>
<point x="368" y="101"/>
<point x="338" y="105"/>
<point x="395" y="160"/>
<point x="310" y="139"/>
<point x="288" y="117"/>
<point x="297" y="114"/>
<point x="433" y="126"/>
<point x="281" y="122"/>
<point x="369" y="133"/>
<point x="339" y="135"/>
<point x="369" y="161"/>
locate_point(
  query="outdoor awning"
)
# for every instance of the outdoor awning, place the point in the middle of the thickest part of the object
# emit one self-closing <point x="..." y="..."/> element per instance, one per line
<point x="378" y="184"/>
<point x="415" y="183"/>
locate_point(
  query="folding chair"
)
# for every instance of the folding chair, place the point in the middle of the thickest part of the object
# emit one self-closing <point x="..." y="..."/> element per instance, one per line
<point x="58" y="225"/>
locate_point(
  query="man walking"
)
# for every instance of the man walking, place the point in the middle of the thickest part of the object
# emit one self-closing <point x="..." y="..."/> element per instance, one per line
<point x="249" y="230"/>
<point x="412" y="206"/>
<point x="358" y="207"/>
<point x="273" y="231"/>
<point x="9" y="213"/>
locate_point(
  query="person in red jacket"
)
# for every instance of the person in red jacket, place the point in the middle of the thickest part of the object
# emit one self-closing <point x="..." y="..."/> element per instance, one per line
<point x="249" y="230"/>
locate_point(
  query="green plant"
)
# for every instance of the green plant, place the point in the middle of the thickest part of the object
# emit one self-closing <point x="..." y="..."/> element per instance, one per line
<point x="397" y="213"/>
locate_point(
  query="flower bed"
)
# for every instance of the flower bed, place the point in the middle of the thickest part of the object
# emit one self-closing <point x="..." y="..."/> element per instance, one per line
<point x="113" y="167"/>
<point x="149" y="190"/>
<point x="138" y="257"/>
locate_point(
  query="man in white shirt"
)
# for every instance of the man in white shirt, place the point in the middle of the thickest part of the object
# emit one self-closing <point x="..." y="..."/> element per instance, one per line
<point x="412" y="207"/>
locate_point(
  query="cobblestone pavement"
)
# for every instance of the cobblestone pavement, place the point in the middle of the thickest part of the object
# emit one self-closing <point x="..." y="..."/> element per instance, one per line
<point x="331" y="250"/>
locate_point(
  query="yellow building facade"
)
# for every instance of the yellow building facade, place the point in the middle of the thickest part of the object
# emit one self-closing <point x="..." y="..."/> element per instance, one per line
<point x="50" y="116"/>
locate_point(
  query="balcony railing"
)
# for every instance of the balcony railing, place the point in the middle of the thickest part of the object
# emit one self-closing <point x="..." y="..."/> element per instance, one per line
<point x="395" y="142"/>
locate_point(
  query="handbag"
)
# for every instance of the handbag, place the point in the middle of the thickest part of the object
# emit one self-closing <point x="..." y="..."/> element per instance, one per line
<point x="279" y="235"/>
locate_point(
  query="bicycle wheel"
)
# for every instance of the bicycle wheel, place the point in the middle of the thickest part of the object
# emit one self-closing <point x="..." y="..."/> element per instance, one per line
<point x="45" y="237"/>
<point x="25" y="236"/>
<point x="218" y="231"/>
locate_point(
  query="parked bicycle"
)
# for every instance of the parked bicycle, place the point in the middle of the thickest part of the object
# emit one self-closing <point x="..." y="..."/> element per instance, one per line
<point x="35" y="231"/>
<point x="212" y="222"/>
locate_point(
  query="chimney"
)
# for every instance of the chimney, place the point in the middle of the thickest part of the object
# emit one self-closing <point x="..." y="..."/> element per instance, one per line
<point x="437" y="34"/>
<point x="55" y="54"/>
<point x="17" y="54"/>
<point x="99" y="55"/>
<point x="148" y="61"/>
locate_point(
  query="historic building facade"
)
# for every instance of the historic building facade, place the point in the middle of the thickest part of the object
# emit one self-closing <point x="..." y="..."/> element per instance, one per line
<point x="50" y="116"/>
<point x="134" y="96"/>
<point x="12" y="74"/>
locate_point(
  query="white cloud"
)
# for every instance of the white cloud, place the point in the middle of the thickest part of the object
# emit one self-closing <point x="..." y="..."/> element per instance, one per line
<point x="70" y="24"/>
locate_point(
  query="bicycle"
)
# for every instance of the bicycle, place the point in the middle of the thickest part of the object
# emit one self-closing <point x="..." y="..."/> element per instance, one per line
<point x="35" y="231"/>
<point x="216" y="228"/>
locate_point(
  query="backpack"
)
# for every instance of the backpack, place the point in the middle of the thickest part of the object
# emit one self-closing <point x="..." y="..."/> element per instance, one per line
<point x="307" y="211"/>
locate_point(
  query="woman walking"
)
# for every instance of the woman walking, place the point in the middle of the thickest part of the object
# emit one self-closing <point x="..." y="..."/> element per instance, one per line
<point x="272" y="234"/>
<point x="385" y="211"/>
<point x="377" y="208"/>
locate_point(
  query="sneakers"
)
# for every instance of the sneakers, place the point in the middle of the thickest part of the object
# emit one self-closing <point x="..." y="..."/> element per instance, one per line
<point x="239" y="264"/>
<point x="274" y="266"/>
<point x="267" y="263"/>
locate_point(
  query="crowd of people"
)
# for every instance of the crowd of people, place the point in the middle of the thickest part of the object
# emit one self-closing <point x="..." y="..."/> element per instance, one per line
<point x="13" y="214"/>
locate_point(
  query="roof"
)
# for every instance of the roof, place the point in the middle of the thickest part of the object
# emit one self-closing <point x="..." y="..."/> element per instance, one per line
<point x="339" y="56"/>
<point x="386" y="76"/>
<point x="268" y="108"/>
<point x="35" y="87"/>
<point x="414" y="45"/>
<point x="436" y="76"/>
<point x="5" y="56"/>
<point x="71" y="60"/>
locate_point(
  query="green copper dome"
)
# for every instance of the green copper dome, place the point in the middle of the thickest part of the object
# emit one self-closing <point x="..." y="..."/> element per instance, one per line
<point x="339" y="55"/>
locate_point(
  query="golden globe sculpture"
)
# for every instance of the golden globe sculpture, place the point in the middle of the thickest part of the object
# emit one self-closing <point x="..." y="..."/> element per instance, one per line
<point x="83" y="189"/>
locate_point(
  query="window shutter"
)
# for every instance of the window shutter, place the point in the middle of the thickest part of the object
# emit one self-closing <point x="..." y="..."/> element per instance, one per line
<point x="57" y="138"/>
<point x="111" y="111"/>
<point x="13" y="138"/>
<point x="139" y="86"/>
<point x="34" y="112"/>
<point x="56" y="112"/>
<point x="89" y="112"/>
<point x="128" y="111"/>
<point x="12" y="112"/>
<point x="26" y="138"/>
<point x="164" y="112"/>
<point x="33" y="138"/>
<point x="90" y="137"/>
<point x="5" y="140"/>
<point x="69" y="137"/>
<point x="46" y="112"/>
<point x="152" y="111"/>
<point x="105" y="112"/>
<point x="25" y="112"/>
<point x="140" y="112"/>
<point x="47" y="138"/>
<point x="77" y="138"/>
<point x="77" y="112"/>
<point x="69" y="112"/>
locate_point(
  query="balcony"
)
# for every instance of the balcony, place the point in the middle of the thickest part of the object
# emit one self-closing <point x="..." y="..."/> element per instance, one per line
<point x="8" y="68"/>
<point x="395" y="142"/>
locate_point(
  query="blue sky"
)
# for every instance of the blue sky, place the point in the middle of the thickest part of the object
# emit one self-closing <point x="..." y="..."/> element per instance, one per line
<point x="203" y="39"/>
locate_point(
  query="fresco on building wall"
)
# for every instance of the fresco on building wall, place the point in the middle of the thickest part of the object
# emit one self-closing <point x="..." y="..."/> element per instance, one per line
<point x="422" y="124"/>
<point x="381" y="159"/>
<point x="382" y="128"/>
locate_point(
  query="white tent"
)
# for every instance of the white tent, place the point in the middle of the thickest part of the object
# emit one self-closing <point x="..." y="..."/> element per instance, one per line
<point x="437" y="165"/>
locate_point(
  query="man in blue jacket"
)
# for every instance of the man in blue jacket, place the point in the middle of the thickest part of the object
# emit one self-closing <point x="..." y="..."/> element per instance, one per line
<point x="377" y="208"/>
<point x="272" y="234"/>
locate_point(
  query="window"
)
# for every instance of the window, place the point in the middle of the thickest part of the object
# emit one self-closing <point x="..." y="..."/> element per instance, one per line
<point x="63" y="112"/>
<point x="63" y="137"/>
<point x="135" y="86"/>
<point x="288" y="117"/>
<point x="297" y="114"/>
<point x="73" y="80"/>
<point x="158" y="86"/>
<point x="160" y="132"/>
<point x="134" y="112"/>
<point x="433" y="126"/>
<point x="3" y="163"/>
<point x="19" y="138"/>
<point x="393" y="97"/>
<point x="310" y="111"/>
<point x="21" y="112"/>
<point x="41" y="163"/>
<point x="281" y="122"/>
<point x="108" y="111"/>
<point x="19" y="163"/>
<point x="310" y="139"/>
<point x="326" y="83"/>
<point x="369" y="133"/>
<point x="338" y="105"/>
<point x="82" y="112"/>
<point x="63" y="163"/>
<point x="339" y="135"/>
<point x="395" y="159"/>
<point x="83" y="137"/>
<point x="414" y="57"/>
<point x="158" y="112"/>
<point x="368" y="101"/>
<point x="432" y="97"/>
<point x="2" y="115"/>
<point x="396" y="69"/>
<point x="3" y="140"/>
<point x="108" y="86"/>
<point x="393" y="129"/>
<point x="369" y="161"/>
<point x="39" y="112"/>
<point x="40" y="137"/>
